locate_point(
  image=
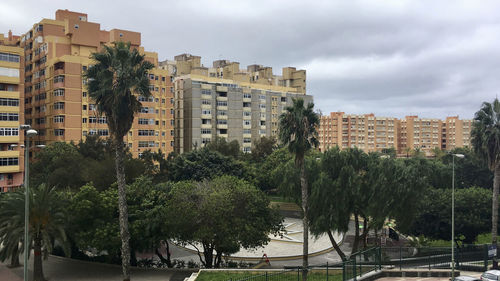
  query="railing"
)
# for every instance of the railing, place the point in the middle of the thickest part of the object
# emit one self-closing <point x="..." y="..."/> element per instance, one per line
<point x="473" y="257"/>
<point x="358" y="264"/>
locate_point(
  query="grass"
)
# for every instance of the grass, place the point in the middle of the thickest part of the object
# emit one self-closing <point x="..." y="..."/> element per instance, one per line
<point x="258" y="276"/>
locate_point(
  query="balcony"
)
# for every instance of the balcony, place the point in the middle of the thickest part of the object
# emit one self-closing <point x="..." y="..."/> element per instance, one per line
<point x="221" y="89"/>
<point x="9" y="169"/>
<point x="9" y="153"/>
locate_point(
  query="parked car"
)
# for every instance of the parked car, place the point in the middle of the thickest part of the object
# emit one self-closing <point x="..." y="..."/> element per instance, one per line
<point x="466" y="278"/>
<point x="491" y="275"/>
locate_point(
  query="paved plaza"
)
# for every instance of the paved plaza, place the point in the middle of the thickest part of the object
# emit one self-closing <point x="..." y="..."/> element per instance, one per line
<point x="61" y="269"/>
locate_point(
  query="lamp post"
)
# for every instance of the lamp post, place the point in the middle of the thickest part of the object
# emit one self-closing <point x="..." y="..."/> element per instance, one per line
<point x="453" y="215"/>
<point x="29" y="133"/>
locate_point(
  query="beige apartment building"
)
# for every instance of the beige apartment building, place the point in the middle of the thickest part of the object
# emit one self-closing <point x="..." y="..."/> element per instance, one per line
<point x="42" y="84"/>
<point x="367" y="132"/>
<point x="11" y="108"/>
<point x="371" y="133"/>
<point x="229" y="102"/>
<point x="57" y="52"/>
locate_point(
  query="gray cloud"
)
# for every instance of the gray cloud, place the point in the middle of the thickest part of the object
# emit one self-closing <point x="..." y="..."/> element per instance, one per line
<point x="392" y="58"/>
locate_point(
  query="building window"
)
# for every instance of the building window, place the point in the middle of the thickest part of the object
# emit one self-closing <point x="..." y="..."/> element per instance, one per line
<point x="246" y="122"/>
<point x="59" y="119"/>
<point x="9" y="161"/>
<point x="58" y="92"/>
<point x="84" y="94"/>
<point x="206" y="131"/>
<point x="58" y="105"/>
<point x="9" y="116"/>
<point x="9" y="72"/>
<point x="247" y="96"/>
<point x="145" y="132"/>
<point x="9" y="102"/>
<point x="84" y="120"/>
<point x="9" y="57"/>
<point x="59" y="79"/>
<point x="146" y="121"/>
<point x="58" y="132"/>
<point x="9" y="132"/>
<point x="103" y="132"/>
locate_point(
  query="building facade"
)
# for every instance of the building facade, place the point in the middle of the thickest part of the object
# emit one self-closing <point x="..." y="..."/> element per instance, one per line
<point x="57" y="53"/>
<point x="228" y="102"/>
<point x="367" y="132"/>
<point x="376" y="134"/>
<point x="11" y="108"/>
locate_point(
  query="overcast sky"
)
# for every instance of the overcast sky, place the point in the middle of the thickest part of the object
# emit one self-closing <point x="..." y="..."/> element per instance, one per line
<point x="391" y="58"/>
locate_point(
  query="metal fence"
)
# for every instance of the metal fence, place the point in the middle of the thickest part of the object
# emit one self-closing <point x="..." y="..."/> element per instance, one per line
<point x="472" y="258"/>
<point x="358" y="264"/>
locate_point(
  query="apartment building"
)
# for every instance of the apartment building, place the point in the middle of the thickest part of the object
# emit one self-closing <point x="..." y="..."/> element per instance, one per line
<point x="371" y="133"/>
<point x="56" y="54"/>
<point x="11" y="93"/>
<point x="229" y="102"/>
<point x="456" y="133"/>
<point x="367" y="132"/>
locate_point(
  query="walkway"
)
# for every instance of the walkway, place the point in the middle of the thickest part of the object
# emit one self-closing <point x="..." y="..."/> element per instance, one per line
<point x="62" y="269"/>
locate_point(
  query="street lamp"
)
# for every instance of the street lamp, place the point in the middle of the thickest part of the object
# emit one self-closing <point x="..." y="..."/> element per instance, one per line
<point x="453" y="215"/>
<point x="29" y="133"/>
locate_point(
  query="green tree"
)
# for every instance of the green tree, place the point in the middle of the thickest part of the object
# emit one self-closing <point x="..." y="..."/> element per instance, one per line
<point x="221" y="215"/>
<point x="297" y="129"/>
<point x="224" y="147"/>
<point x="267" y="172"/>
<point x="203" y="164"/>
<point x="118" y="76"/>
<point x="59" y="164"/>
<point x="263" y="148"/>
<point x="47" y="221"/>
<point x="486" y="142"/>
<point x="471" y="214"/>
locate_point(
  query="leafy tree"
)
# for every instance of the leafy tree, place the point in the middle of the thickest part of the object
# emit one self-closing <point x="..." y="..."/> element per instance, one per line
<point x="65" y="165"/>
<point x="267" y="172"/>
<point x="263" y="148"/>
<point x="94" y="221"/>
<point x="59" y="164"/>
<point x="203" y="164"/>
<point x="47" y="220"/>
<point x="471" y="214"/>
<point x="297" y="129"/>
<point x="486" y="142"/>
<point x="115" y="81"/>
<point x="221" y="215"/>
<point x="224" y="147"/>
<point x="367" y="186"/>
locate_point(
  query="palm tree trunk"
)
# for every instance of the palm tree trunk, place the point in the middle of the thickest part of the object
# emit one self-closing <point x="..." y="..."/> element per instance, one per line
<point x="122" y="206"/>
<point x="494" y="212"/>
<point x="305" y="222"/>
<point x="37" y="261"/>
<point x="14" y="259"/>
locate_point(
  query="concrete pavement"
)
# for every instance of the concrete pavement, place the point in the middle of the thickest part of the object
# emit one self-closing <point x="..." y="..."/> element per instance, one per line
<point x="62" y="269"/>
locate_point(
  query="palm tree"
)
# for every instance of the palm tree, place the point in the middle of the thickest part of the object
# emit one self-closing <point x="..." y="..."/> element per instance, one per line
<point x="486" y="142"/>
<point x="47" y="220"/>
<point x="114" y="82"/>
<point x="298" y="130"/>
